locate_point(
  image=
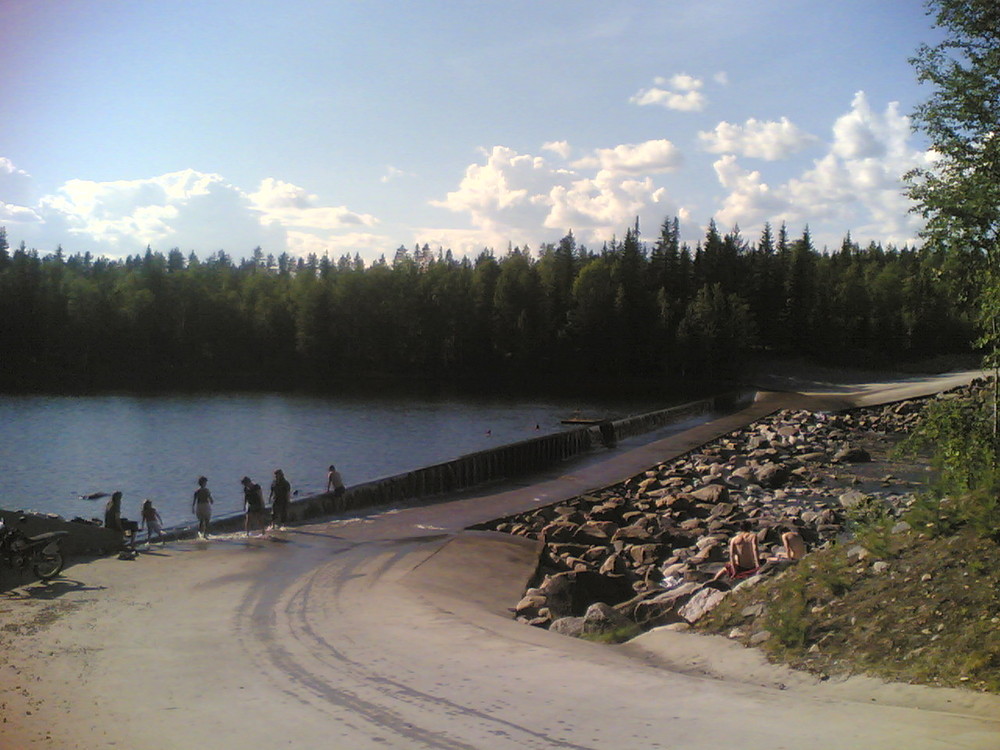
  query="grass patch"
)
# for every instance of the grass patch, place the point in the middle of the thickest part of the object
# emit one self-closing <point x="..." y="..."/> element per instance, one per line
<point x="618" y="635"/>
<point x="933" y="617"/>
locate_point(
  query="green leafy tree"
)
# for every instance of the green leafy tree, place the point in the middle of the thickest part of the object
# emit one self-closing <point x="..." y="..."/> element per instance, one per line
<point x="959" y="193"/>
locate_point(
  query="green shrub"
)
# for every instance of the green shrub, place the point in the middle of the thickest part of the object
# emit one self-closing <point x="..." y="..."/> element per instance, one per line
<point x="787" y="615"/>
<point x="958" y="432"/>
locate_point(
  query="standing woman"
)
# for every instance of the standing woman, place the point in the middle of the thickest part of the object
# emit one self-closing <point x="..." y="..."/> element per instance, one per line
<point x="281" y="496"/>
<point x="201" y="506"/>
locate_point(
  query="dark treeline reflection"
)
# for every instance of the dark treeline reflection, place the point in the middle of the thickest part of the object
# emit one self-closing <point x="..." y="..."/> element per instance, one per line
<point x="635" y="308"/>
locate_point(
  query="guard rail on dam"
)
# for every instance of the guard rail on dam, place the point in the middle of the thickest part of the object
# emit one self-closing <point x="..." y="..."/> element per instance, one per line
<point x="505" y="462"/>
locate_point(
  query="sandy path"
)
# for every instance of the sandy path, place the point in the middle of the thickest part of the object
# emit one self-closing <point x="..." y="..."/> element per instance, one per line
<point x="389" y="631"/>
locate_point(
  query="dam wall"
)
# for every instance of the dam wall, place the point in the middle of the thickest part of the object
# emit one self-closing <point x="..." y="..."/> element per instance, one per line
<point x="504" y="462"/>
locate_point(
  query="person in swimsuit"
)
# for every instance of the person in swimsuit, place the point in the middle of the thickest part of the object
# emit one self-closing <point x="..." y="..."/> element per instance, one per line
<point x="201" y="506"/>
<point x="744" y="555"/>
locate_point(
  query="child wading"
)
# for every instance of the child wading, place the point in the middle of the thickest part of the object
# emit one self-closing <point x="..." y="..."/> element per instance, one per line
<point x="152" y="521"/>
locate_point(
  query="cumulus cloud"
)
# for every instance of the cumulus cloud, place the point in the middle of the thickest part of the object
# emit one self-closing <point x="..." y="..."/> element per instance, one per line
<point x="769" y="140"/>
<point x="684" y="94"/>
<point x="562" y="148"/>
<point x="862" y="134"/>
<point x="198" y="211"/>
<point x="510" y="194"/>
<point x="287" y="205"/>
<point x="650" y="157"/>
<point x="127" y="214"/>
<point x="857" y="185"/>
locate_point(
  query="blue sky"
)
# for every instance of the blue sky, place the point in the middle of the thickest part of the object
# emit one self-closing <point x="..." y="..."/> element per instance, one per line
<point x="335" y="127"/>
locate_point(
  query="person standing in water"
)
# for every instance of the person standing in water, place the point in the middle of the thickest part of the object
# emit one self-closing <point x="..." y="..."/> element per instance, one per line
<point x="280" y="497"/>
<point x="201" y="506"/>
<point x="253" y="504"/>
<point x="152" y="521"/>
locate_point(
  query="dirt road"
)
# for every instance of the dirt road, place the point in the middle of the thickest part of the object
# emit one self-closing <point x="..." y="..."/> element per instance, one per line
<point x="391" y="631"/>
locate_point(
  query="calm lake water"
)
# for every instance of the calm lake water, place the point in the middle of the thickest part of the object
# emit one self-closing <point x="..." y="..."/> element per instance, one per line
<point x="56" y="449"/>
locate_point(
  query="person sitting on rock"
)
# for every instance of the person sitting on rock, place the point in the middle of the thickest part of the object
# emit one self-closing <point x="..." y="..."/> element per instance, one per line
<point x="744" y="555"/>
<point x="794" y="545"/>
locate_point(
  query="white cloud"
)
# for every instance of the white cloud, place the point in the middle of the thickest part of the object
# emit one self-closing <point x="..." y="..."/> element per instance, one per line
<point x="684" y="94"/>
<point x="860" y="133"/>
<point x="7" y="168"/>
<point x="650" y="157"/>
<point x="129" y="213"/>
<point x="10" y="212"/>
<point x="394" y="173"/>
<point x="603" y="205"/>
<point x="284" y="204"/>
<point x="856" y="186"/>
<point x="750" y="198"/>
<point x="721" y="78"/>
<point x="562" y="148"/>
<point x="202" y="212"/>
<point x="770" y="140"/>
<point x="15" y="190"/>
<point x="510" y="195"/>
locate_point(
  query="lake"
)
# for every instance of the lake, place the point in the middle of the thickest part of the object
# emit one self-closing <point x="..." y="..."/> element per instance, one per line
<point x="54" y="450"/>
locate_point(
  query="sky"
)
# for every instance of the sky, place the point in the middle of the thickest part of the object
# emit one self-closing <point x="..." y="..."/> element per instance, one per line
<point x="361" y="126"/>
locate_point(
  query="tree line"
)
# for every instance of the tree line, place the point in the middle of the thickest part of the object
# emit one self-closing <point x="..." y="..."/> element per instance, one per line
<point x="656" y="308"/>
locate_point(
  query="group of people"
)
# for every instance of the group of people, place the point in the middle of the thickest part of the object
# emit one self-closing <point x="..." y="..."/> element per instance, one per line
<point x="254" y="507"/>
<point x="744" y="553"/>
<point x="149" y="520"/>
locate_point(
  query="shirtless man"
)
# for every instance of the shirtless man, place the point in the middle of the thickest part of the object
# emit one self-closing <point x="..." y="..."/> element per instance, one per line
<point x="744" y="556"/>
<point x="795" y="547"/>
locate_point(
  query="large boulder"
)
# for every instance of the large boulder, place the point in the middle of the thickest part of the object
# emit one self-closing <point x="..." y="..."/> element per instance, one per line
<point x="596" y="532"/>
<point x="711" y="494"/>
<point x="852" y="455"/>
<point x="772" y="475"/>
<point x="634" y="534"/>
<point x="571" y="626"/>
<point x="701" y="604"/>
<point x="662" y="609"/>
<point x="603" y="618"/>
<point x="559" y="531"/>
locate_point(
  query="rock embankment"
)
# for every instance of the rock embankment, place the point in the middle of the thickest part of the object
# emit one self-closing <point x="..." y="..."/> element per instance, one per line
<point x="644" y="553"/>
